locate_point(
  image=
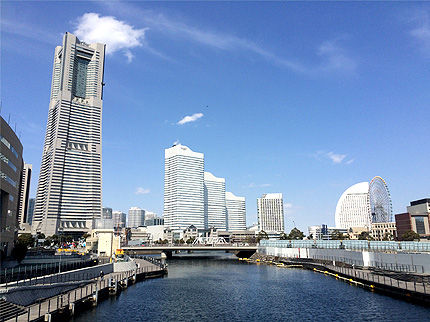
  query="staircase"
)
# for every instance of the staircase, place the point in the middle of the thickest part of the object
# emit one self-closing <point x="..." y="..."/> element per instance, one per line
<point x="9" y="310"/>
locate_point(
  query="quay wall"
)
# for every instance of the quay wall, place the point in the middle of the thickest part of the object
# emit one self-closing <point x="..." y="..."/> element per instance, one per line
<point x="412" y="262"/>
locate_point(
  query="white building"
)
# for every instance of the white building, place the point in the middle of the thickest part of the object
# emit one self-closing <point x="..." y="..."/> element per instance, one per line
<point x="24" y="194"/>
<point x="236" y="212"/>
<point x="69" y="192"/>
<point x="183" y="188"/>
<point x="136" y="217"/>
<point x="270" y="209"/>
<point x="215" y="203"/>
<point x="353" y="208"/>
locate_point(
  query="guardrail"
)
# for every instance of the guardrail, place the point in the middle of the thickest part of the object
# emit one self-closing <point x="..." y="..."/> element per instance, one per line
<point x="385" y="246"/>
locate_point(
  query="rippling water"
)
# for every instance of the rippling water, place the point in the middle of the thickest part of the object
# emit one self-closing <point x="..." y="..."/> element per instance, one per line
<point x="220" y="288"/>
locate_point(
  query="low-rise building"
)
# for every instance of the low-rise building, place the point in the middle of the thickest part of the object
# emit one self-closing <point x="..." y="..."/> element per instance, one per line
<point x="103" y="242"/>
<point x="323" y="232"/>
<point x="354" y="232"/>
<point x="384" y="231"/>
<point x="417" y="219"/>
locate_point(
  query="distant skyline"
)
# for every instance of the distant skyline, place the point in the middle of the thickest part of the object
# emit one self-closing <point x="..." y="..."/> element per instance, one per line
<point x="304" y="99"/>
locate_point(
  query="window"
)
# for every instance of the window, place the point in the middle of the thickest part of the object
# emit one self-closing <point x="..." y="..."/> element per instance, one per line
<point x="80" y="77"/>
<point x="419" y="222"/>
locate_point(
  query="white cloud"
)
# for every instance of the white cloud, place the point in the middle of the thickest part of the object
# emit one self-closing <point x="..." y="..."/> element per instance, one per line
<point x="288" y="205"/>
<point x="142" y="191"/>
<point x="116" y="34"/>
<point x="262" y="185"/>
<point x="333" y="58"/>
<point x="335" y="157"/>
<point x="350" y="161"/>
<point x="421" y="33"/>
<point x="190" y="118"/>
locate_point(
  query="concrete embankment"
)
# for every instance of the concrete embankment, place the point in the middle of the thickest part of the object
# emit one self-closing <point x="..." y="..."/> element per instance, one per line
<point x="407" y="286"/>
<point x="59" y="300"/>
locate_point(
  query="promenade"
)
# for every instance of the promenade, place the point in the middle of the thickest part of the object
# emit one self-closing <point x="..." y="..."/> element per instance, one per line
<point x="83" y="292"/>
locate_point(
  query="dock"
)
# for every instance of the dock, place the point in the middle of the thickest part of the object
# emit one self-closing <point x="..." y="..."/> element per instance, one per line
<point x="83" y="293"/>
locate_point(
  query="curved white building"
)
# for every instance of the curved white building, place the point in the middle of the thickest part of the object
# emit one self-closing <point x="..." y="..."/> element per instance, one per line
<point x="183" y="188"/>
<point x="352" y="209"/>
<point x="236" y="212"/>
<point x="214" y="196"/>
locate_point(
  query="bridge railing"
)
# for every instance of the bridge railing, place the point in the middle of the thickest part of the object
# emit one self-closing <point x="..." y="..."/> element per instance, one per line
<point x="351" y="245"/>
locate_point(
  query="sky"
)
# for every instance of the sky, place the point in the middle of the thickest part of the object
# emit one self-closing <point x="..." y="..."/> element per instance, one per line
<point x="303" y="98"/>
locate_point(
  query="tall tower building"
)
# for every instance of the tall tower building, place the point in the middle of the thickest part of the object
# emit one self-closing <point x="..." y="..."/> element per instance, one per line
<point x="119" y="219"/>
<point x="69" y="191"/>
<point x="236" y="212"/>
<point x="136" y="217"/>
<point x="183" y="188"/>
<point x="270" y="208"/>
<point x="24" y="194"/>
<point x="214" y="195"/>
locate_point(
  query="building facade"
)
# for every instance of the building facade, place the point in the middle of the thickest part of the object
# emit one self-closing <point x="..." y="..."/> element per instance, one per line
<point x="270" y="210"/>
<point x="69" y="193"/>
<point x="417" y="219"/>
<point x="10" y="172"/>
<point x="323" y="232"/>
<point x="236" y="212"/>
<point x="119" y="219"/>
<point x="136" y="217"/>
<point x="30" y="210"/>
<point x="384" y="231"/>
<point x="24" y="194"/>
<point x="352" y="209"/>
<point x="106" y="213"/>
<point x="215" y="203"/>
<point x="183" y="188"/>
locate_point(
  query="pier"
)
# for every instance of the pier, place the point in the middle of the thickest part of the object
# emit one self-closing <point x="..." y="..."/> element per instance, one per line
<point x="74" y="294"/>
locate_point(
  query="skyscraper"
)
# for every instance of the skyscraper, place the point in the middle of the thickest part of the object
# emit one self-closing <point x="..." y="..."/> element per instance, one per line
<point x="24" y="194"/>
<point x="214" y="197"/>
<point x="136" y="217"/>
<point x="11" y="164"/>
<point x="270" y="208"/>
<point x="236" y="212"/>
<point x="183" y="188"/>
<point x="69" y="192"/>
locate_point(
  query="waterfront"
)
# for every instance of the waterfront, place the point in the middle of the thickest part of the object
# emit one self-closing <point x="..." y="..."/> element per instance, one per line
<point x="219" y="287"/>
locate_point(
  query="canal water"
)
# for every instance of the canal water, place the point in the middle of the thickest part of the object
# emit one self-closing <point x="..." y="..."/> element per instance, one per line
<point x="221" y="288"/>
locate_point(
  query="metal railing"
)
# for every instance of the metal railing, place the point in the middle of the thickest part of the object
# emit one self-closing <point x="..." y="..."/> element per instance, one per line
<point x="386" y="246"/>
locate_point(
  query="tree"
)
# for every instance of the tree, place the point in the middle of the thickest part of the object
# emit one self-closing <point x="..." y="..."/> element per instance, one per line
<point x="19" y="251"/>
<point x="26" y="240"/>
<point x="387" y="237"/>
<point x="40" y="236"/>
<point x="337" y="235"/>
<point x="410" y="235"/>
<point x="190" y="240"/>
<point x="365" y="235"/>
<point x="262" y="235"/>
<point x="295" y="234"/>
<point x="283" y="236"/>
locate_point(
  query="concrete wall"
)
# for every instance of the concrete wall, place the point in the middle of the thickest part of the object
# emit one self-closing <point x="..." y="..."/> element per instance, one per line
<point x="413" y="262"/>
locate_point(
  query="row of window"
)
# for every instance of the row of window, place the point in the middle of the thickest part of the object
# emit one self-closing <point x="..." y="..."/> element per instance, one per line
<point x="7" y="161"/>
<point x="8" y="179"/>
<point x="6" y="142"/>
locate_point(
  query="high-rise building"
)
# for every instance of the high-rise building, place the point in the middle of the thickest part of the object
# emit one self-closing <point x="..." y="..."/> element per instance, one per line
<point x="236" y="212"/>
<point x="30" y="210"/>
<point x="69" y="192"/>
<point x="270" y="209"/>
<point x="363" y="204"/>
<point x="417" y="219"/>
<point x="11" y="164"/>
<point x="214" y="197"/>
<point x="136" y="217"/>
<point x="106" y="213"/>
<point x="183" y="188"/>
<point x="24" y="193"/>
<point x="119" y="219"/>
<point x="352" y="209"/>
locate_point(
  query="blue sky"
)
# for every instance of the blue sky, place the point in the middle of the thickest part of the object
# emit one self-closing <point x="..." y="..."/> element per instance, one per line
<point x="300" y="98"/>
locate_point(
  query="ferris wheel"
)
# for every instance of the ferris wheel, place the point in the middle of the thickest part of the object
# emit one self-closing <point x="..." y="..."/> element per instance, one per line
<point x="380" y="201"/>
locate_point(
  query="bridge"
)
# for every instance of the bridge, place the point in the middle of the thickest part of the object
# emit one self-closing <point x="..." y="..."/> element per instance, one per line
<point x="239" y="251"/>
